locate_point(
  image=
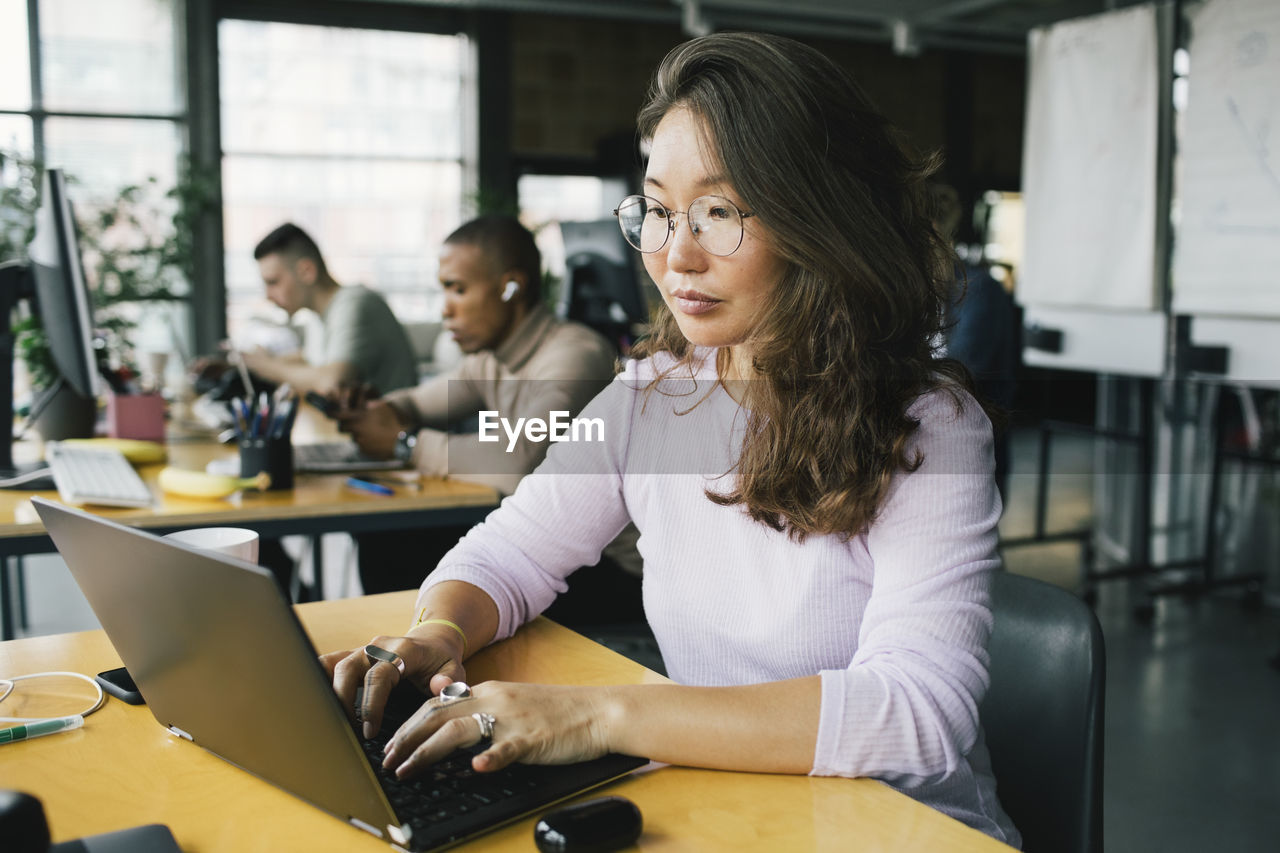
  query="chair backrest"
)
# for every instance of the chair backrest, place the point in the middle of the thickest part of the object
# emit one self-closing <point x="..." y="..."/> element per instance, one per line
<point x="422" y="337"/>
<point x="1043" y="715"/>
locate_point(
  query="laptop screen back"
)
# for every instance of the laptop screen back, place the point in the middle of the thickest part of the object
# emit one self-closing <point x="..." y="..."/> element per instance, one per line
<point x="219" y="656"/>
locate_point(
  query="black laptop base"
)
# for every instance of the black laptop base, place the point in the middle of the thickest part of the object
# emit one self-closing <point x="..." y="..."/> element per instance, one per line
<point x="450" y="803"/>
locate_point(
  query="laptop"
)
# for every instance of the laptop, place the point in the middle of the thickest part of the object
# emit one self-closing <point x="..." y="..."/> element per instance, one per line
<point x="212" y="644"/>
<point x="338" y="457"/>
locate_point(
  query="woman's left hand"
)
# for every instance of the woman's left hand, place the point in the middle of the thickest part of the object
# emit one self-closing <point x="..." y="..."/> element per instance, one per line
<point x="532" y="723"/>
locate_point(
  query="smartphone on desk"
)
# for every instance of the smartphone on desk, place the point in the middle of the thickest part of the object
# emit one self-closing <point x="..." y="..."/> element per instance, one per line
<point x="119" y="683"/>
<point x="323" y="403"/>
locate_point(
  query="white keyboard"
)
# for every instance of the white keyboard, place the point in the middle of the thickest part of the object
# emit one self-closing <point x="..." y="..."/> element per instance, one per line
<point x="95" y="475"/>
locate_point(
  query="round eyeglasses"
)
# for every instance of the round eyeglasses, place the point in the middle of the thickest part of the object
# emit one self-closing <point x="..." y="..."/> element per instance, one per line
<point x="715" y="221"/>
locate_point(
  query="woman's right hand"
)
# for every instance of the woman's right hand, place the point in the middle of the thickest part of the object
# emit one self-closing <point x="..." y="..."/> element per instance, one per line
<point x="432" y="659"/>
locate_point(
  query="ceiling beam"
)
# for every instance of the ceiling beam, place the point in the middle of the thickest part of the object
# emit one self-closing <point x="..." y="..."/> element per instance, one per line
<point x="957" y="9"/>
<point x="805" y="19"/>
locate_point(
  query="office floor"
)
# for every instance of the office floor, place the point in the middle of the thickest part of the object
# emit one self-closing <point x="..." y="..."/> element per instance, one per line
<point x="1192" y="722"/>
<point x="1193" y="729"/>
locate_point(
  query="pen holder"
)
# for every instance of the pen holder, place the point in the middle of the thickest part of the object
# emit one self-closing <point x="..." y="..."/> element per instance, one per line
<point x="273" y="455"/>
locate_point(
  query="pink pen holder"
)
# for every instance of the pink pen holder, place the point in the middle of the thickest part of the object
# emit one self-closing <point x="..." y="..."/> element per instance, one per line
<point x="139" y="416"/>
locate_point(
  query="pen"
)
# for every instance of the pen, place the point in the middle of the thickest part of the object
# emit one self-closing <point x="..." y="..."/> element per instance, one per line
<point x="237" y="412"/>
<point x="258" y="426"/>
<point x="366" y="486"/>
<point x="44" y="727"/>
<point x="282" y="419"/>
<point x="244" y="374"/>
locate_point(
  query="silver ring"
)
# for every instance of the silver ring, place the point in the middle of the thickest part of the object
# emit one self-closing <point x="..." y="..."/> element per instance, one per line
<point x="486" y="722"/>
<point x="453" y="691"/>
<point x="377" y="654"/>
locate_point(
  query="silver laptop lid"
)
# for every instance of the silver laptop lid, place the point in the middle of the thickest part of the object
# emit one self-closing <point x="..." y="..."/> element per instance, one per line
<point x="221" y="659"/>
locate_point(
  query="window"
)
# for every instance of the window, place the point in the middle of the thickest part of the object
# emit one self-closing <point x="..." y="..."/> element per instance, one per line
<point x="359" y="137"/>
<point x="107" y="106"/>
<point x="101" y="97"/>
<point x="1004" y="217"/>
<point x="15" y="62"/>
<point x="548" y="200"/>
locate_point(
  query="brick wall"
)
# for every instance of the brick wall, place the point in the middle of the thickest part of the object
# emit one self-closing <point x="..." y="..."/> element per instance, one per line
<point x="578" y="82"/>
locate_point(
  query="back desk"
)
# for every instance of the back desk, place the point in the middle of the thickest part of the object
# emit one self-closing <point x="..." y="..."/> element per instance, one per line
<point x="123" y="769"/>
<point x="316" y="505"/>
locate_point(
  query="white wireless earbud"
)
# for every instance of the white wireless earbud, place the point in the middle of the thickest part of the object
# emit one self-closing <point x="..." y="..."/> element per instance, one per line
<point x="512" y="288"/>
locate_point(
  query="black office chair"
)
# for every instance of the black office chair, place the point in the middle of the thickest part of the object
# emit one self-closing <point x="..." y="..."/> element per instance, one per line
<point x="602" y="294"/>
<point x="1043" y="714"/>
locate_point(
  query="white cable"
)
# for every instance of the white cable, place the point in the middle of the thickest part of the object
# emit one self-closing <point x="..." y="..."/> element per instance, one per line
<point x="23" y="479"/>
<point x="7" y="686"/>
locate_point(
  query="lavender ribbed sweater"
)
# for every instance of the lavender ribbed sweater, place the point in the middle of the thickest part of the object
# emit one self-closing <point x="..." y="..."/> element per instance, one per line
<point x="896" y="621"/>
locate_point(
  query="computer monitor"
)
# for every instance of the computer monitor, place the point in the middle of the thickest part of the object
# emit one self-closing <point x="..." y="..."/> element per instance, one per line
<point x="601" y="289"/>
<point x="52" y="280"/>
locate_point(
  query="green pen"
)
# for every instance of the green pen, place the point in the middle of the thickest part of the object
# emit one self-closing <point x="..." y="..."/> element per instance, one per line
<point x="44" y="727"/>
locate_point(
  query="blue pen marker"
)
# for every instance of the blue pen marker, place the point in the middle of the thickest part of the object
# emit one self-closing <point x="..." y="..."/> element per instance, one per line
<point x="366" y="486"/>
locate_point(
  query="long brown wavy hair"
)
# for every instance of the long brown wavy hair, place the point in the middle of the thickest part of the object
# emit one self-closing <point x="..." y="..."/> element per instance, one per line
<point x="845" y="343"/>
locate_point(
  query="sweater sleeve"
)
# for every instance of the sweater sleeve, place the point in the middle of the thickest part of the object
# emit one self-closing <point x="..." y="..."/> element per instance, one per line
<point x="567" y="377"/>
<point x="905" y="710"/>
<point x="559" y="518"/>
<point x="438" y="401"/>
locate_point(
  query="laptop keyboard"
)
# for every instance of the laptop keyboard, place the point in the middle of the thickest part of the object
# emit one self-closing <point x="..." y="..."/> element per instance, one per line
<point x="336" y="456"/>
<point x="449" y="789"/>
<point x="451" y="802"/>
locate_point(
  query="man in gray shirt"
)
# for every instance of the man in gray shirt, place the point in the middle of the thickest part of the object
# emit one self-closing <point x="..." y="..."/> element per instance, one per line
<point x="363" y="340"/>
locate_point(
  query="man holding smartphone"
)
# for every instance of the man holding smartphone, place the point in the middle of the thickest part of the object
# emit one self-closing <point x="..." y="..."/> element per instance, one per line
<point x="518" y="360"/>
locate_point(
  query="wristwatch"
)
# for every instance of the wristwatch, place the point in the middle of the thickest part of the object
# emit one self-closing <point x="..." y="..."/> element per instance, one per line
<point x="405" y="442"/>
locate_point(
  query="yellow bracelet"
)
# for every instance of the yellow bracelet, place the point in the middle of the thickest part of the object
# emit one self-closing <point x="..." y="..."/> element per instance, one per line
<point x="453" y="625"/>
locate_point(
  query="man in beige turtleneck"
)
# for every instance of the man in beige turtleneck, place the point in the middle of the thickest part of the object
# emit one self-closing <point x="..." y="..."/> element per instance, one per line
<point x="518" y="360"/>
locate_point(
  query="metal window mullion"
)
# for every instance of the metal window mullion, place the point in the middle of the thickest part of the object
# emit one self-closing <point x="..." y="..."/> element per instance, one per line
<point x="37" y="80"/>
<point x="39" y="114"/>
<point x="42" y="114"/>
<point x="308" y="155"/>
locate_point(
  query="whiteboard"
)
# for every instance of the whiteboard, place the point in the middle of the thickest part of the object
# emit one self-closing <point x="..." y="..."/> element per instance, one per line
<point x="1131" y="343"/>
<point x="1253" y="356"/>
<point x="1227" y="248"/>
<point x="1090" y="163"/>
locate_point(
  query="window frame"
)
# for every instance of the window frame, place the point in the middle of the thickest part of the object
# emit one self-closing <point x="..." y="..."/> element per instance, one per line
<point x="485" y="142"/>
<point x="39" y="114"/>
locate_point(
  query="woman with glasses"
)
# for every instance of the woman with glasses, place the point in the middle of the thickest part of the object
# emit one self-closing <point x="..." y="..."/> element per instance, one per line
<point x="812" y="485"/>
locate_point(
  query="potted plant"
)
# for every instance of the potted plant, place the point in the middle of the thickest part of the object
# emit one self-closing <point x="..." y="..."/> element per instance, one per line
<point x="137" y="252"/>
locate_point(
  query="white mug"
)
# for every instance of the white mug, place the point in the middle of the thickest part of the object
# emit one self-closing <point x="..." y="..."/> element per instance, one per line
<point x="232" y="541"/>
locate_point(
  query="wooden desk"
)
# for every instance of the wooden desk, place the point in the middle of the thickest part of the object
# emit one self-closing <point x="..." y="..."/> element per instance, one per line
<point x="318" y="504"/>
<point x="123" y="769"/>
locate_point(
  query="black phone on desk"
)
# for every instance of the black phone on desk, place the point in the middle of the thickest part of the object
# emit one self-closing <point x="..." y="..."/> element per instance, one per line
<point x="323" y="403"/>
<point x="119" y="683"/>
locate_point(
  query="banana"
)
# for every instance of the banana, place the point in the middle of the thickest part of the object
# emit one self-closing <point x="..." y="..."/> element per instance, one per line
<point x="200" y="484"/>
<point x="137" y="452"/>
